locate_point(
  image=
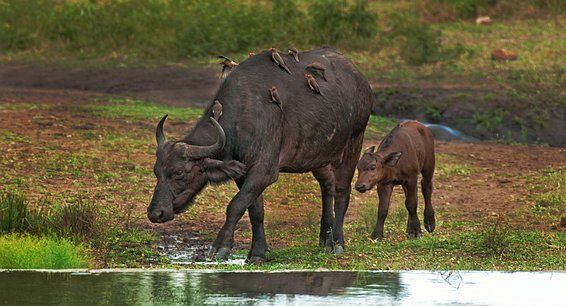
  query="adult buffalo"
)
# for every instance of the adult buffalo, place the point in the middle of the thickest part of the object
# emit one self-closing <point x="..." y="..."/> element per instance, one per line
<point x="254" y="139"/>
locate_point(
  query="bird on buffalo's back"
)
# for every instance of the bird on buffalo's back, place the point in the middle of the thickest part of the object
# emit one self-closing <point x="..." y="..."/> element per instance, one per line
<point x="276" y="57"/>
<point x="313" y="85"/>
<point x="227" y="65"/>
<point x="295" y="53"/>
<point x="275" y="97"/>
<point x="217" y="110"/>
<point x="318" y="68"/>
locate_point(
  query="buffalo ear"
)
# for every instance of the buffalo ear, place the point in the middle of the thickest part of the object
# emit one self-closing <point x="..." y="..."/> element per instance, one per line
<point x="370" y="150"/>
<point x="218" y="171"/>
<point x="391" y="159"/>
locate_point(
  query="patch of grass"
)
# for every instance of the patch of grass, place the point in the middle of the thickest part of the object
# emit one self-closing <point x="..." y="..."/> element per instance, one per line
<point x="550" y="197"/>
<point x="9" y="137"/>
<point x="14" y="213"/>
<point x="140" y="110"/>
<point x="28" y="252"/>
<point x="447" y="166"/>
<point x="379" y="126"/>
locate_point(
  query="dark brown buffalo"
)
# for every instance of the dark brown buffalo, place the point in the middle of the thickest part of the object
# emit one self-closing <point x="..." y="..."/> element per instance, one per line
<point x="255" y="139"/>
<point x="404" y="153"/>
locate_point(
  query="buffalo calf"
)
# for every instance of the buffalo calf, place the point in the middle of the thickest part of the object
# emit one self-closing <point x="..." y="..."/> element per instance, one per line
<point x="404" y="153"/>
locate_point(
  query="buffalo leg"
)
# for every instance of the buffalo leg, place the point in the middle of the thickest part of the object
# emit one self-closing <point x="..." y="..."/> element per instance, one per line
<point x="343" y="177"/>
<point x="254" y="184"/>
<point x="413" y="224"/>
<point x="384" y="192"/>
<point x="325" y="178"/>
<point x="426" y="188"/>
<point x="259" y="244"/>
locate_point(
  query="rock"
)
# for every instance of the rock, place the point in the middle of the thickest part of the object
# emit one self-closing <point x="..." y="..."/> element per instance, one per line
<point x="503" y="55"/>
<point x="483" y="20"/>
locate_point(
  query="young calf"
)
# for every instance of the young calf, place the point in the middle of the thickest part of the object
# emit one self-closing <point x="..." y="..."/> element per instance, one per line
<point x="404" y="153"/>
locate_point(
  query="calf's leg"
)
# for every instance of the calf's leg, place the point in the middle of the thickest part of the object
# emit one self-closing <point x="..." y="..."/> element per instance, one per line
<point x="384" y="193"/>
<point x="426" y="188"/>
<point x="325" y="178"/>
<point x="413" y="224"/>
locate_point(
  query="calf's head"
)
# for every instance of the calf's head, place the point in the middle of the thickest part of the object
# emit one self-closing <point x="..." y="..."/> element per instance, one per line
<point x="373" y="168"/>
<point x="183" y="170"/>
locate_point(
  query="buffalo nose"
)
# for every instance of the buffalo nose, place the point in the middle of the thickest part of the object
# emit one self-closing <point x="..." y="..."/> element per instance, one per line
<point x="361" y="187"/>
<point x="155" y="215"/>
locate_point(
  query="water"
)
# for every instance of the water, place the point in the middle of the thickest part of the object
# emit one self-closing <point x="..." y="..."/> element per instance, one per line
<point x="142" y="287"/>
<point x="189" y="251"/>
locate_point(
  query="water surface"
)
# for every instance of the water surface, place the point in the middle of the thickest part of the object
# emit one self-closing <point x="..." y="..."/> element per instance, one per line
<point x="138" y="287"/>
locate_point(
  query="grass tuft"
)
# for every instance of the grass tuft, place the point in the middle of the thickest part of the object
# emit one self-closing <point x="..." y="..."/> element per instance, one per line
<point x="28" y="252"/>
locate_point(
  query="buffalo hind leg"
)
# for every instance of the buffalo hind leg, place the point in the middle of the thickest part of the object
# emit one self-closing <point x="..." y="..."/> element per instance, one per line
<point x="411" y="201"/>
<point x="259" y="244"/>
<point x="384" y="192"/>
<point x="253" y="186"/>
<point x="343" y="184"/>
<point x="325" y="178"/>
<point x="426" y="188"/>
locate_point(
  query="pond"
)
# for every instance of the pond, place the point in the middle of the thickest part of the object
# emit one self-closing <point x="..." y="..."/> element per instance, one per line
<point x="198" y="287"/>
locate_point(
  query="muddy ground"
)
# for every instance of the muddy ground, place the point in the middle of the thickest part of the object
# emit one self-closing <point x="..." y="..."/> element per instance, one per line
<point x="479" y="181"/>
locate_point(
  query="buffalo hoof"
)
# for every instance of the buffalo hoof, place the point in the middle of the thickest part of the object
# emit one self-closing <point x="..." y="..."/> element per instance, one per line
<point x="377" y="239"/>
<point x="414" y="235"/>
<point x="256" y="260"/>
<point x="338" y="249"/>
<point x="429" y="226"/>
<point x="218" y="254"/>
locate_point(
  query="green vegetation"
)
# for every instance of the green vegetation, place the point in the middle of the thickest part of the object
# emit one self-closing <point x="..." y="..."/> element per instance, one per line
<point x="140" y="110"/>
<point x="28" y="252"/>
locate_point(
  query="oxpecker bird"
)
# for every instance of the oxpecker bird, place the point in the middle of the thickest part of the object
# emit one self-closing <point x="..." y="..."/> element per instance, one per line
<point x="227" y="65"/>
<point x="275" y="97"/>
<point x="217" y="110"/>
<point x="313" y="85"/>
<point x="295" y="53"/>
<point x="318" y="68"/>
<point x="276" y="57"/>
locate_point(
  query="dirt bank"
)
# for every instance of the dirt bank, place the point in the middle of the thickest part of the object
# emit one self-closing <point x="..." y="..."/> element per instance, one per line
<point x="483" y="113"/>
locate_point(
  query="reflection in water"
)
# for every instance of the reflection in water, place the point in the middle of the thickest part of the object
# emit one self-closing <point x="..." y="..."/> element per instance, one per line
<point x="260" y="288"/>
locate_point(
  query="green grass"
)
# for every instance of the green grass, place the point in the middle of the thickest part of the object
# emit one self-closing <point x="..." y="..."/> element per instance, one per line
<point x="28" y="252"/>
<point x="140" y="110"/>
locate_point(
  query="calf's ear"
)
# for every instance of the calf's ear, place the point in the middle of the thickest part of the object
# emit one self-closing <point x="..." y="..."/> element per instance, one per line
<point x="391" y="159"/>
<point x="370" y="150"/>
<point x="219" y="171"/>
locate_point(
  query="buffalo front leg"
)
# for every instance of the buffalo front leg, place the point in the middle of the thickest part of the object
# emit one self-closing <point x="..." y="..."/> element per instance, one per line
<point x="253" y="186"/>
<point x="325" y="178"/>
<point x="384" y="193"/>
<point x="413" y="224"/>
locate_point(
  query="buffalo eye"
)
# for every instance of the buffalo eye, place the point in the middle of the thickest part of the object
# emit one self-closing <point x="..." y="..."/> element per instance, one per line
<point x="372" y="168"/>
<point x="179" y="174"/>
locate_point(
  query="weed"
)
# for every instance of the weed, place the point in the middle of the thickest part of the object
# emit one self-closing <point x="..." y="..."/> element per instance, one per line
<point x="495" y="239"/>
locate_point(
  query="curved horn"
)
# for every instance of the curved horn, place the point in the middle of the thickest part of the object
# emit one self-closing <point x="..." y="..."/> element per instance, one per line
<point x="196" y="152"/>
<point x="159" y="135"/>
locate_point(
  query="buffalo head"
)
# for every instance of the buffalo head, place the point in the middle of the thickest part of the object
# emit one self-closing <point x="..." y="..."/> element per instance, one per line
<point x="183" y="170"/>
